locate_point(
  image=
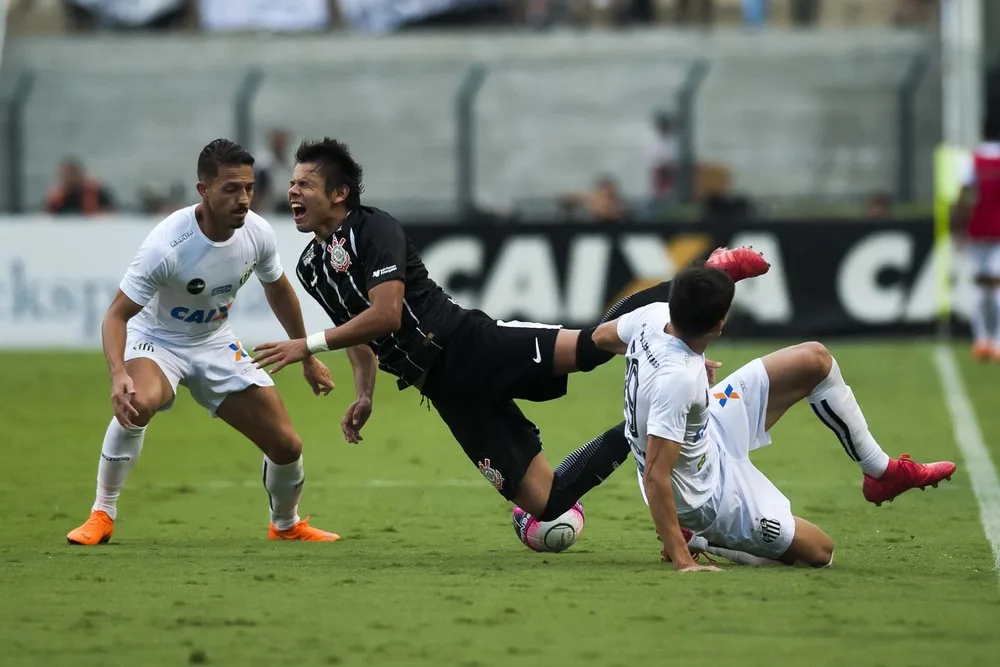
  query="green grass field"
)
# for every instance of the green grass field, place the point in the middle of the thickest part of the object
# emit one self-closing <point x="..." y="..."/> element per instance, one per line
<point x="430" y="572"/>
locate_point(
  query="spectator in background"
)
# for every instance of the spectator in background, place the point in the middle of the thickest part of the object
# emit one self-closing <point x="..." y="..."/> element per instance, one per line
<point x="86" y="15"/>
<point x="666" y="156"/>
<point x="602" y="204"/>
<point x="76" y="193"/>
<point x="271" y="171"/>
<point x="879" y="206"/>
<point x="700" y="11"/>
<point x="756" y="13"/>
<point x="916" y="12"/>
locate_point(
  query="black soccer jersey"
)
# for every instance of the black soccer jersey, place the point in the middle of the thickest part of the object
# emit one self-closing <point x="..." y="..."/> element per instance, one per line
<point x="371" y="248"/>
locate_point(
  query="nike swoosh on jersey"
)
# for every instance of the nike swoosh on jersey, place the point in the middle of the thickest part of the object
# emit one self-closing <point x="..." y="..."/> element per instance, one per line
<point x="538" y="353"/>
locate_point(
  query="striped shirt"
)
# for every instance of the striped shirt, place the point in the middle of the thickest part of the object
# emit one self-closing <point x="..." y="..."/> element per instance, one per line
<point x="369" y="249"/>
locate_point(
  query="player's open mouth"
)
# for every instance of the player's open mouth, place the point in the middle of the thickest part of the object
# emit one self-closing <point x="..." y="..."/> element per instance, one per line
<point x="298" y="211"/>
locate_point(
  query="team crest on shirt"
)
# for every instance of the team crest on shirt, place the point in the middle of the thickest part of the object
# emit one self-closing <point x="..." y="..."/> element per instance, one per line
<point x="491" y="474"/>
<point x="340" y="259"/>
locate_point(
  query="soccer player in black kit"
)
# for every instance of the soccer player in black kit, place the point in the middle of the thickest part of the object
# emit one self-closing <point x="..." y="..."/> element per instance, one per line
<point x="361" y="267"/>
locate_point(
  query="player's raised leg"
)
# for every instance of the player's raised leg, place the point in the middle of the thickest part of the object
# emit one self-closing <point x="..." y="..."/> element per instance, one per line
<point x="808" y="371"/>
<point x="122" y="446"/>
<point x="575" y="349"/>
<point x="258" y="413"/>
<point x="547" y="493"/>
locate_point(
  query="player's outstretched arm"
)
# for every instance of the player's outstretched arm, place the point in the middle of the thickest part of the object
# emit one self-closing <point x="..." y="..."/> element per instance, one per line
<point x="113" y="336"/>
<point x="382" y="318"/>
<point x="285" y="305"/>
<point x="606" y="338"/>
<point x="661" y="455"/>
<point x="365" y="365"/>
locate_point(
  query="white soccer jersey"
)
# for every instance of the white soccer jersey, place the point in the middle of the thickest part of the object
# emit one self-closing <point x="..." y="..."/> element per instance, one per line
<point x="666" y="395"/>
<point x="187" y="283"/>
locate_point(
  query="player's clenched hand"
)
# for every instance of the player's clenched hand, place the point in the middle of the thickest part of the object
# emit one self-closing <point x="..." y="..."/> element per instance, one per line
<point x="122" y="391"/>
<point x="317" y="375"/>
<point x="281" y="354"/>
<point x="710" y="367"/>
<point x="354" y="419"/>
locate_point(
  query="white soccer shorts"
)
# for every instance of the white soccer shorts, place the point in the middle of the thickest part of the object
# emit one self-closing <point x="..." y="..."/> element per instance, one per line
<point x="211" y="371"/>
<point x="984" y="259"/>
<point x="747" y="512"/>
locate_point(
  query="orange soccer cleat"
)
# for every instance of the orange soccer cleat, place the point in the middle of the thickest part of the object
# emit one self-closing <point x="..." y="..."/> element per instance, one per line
<point x="95" y="530"/>
<point x="982" y="350"/>
<point x="904" y="474"/>
<point x="738" y="263"/>
<point x="303" y="532"/>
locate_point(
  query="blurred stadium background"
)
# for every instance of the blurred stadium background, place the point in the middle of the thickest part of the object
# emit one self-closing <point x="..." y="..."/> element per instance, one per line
<point x="608" y="122"/>
<point x="545" y="156"/>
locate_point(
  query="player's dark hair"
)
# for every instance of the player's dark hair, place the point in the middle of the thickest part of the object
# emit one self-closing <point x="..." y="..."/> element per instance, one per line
<point x="699" y="298"/>
<point x="221" y="153"/>
<point x="334" y="163"/>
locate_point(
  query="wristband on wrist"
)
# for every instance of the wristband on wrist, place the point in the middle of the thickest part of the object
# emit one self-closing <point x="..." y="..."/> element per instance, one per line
<point x="317" y="342"/>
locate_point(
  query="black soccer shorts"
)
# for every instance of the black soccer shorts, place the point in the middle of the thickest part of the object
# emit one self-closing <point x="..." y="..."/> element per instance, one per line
<point x="473" y="384"/>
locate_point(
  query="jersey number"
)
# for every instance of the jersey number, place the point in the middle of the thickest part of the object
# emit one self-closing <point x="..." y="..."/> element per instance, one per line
<point x="631" y="391"/>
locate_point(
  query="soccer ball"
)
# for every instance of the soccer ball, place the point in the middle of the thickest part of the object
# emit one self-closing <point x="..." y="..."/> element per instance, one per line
<point x="549" y="536"/>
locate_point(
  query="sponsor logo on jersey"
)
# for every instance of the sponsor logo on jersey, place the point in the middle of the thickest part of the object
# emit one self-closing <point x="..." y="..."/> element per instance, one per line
<point x="143" y="346"/>
<point x="200" y="316"/>
<point x="491" y="474"/>
<point x="241" y="353"/>
<point x="182" y="238"/>
<point x="382" y="272"/>
<point x="727" y="395"/>
<point x="340" y="259"/>
<point x="196" y="286"/>
<point x="223" y="289"/>
<point x="310" y="255"/>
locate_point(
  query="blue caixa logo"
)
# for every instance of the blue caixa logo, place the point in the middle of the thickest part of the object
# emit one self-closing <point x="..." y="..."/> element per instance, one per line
<point x="200" y="316"/>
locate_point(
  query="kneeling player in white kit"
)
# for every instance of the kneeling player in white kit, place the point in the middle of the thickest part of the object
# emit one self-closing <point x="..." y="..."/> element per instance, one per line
<point x="168" y="325"/>
<point x="692" y="443"/>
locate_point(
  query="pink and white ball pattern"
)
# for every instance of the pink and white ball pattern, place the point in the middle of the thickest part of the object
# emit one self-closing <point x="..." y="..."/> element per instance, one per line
<point x="549" y="536"/>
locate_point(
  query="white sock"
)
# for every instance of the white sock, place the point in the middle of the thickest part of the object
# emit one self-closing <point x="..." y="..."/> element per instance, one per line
<point x="982" y="303"/>
<point x="118" y="454"/>
<point x="742" y="557"/>
<point x="698" y="543"/>
<point x="833" y="402"/>
<point x="996" y="315"/>
<point x="284" y="488"/>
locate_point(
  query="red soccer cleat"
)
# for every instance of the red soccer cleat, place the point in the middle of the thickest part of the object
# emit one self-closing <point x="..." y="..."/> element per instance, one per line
<point x="904" y="474"/>
<point x="738" y="263"/>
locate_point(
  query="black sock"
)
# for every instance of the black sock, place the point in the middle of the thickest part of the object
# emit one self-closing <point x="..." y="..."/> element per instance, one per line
<point x="658" y="292"/>
<point x="588" y="355"/>
<point x="584" y="469"/>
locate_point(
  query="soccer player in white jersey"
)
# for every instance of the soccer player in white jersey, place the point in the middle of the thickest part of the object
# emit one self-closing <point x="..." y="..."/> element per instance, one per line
<point x="168" y="325"/>
<point x="692" y="443"/>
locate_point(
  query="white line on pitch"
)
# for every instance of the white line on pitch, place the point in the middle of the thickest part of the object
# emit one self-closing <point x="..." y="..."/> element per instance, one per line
<point x="978" y="464"/>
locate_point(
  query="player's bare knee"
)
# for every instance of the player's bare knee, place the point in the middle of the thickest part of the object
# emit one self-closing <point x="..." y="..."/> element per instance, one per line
<point x="146" y="409"/>
<point x="821" y="556"/>
<point x="287" y="448"/>
<point x="816" y="362"/>
<point x="820" y="552"/>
